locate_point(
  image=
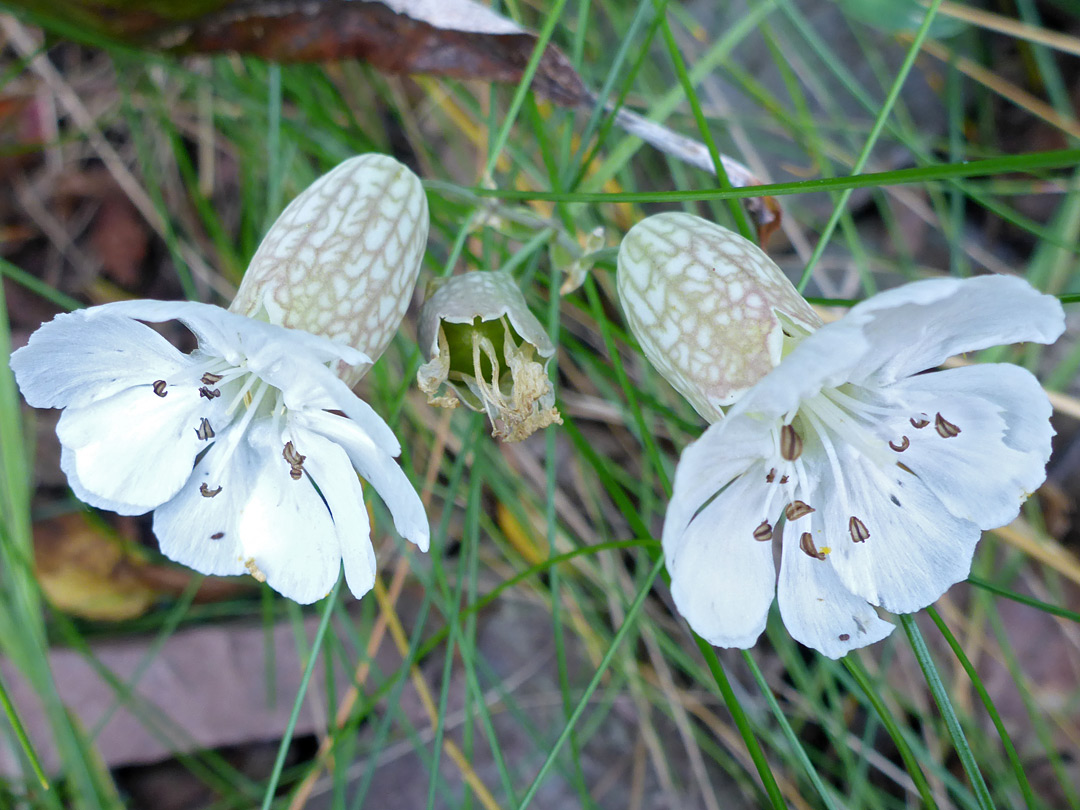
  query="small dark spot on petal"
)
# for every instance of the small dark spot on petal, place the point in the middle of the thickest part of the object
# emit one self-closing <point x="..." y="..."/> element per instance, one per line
<point x="844" y="637"/>
<point x="217" y="535"/>
<point x="894" y="499"/>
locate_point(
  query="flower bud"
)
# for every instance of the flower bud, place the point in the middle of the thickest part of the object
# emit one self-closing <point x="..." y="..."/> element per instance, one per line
<point x="342" y="259"/>
<point x="711" y="311"/>
<point x="480" y="338"/>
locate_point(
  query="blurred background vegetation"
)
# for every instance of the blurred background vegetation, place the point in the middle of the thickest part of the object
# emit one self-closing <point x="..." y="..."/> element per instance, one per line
<point x="533" y="658"/>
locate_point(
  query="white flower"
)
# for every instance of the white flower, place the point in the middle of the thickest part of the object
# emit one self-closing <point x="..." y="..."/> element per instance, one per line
<point x="248" y="448"/>
<point x="879" y="478"/>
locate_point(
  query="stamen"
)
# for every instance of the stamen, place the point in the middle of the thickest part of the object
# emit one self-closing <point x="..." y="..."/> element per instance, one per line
<point x="783" y="479"/>
<point x="206" y="492"/>
<point x="490" y="394"/>
<point x="159" y="388"/>
<point x="217" y="535"/>
<point x="763" y="533"/>
<point x="857" y="529"/>
<point x="210" y="379"/>
<point x="944" y="428"/>
<point x="806" y="543"/>
<point x="242" y="394"/>
<point x="797" y="509"/>
<point x="919" y="423"/>
<point x="296" y="461"/>
<point x="771" y="476"/>
<point x="844" y="637"/>
<point x="905" y="443"/>
<point x="204" y="431"/>
<point x="209" y="393"/>
<point x="253" y="569"/>
<point x="791" y="443"/>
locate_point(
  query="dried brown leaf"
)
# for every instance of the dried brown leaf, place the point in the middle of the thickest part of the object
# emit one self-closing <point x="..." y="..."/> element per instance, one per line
<point x="458" y="38"/>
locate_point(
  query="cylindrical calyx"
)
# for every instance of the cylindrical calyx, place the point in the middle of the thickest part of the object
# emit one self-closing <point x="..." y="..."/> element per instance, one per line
<point x="711" y="311"/>
<point x="483" y="343"/>
<point x="342" y="259"/>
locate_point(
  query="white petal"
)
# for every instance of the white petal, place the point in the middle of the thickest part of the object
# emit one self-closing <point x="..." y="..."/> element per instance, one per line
<point x="722" y="579"/>
<point x="998" y="459"/>
<point x="329" y="465"/>
<point x="826" y="358"/>
<point x="918" y="326"/>
<point x="817" y="609"/>
<point x="916" y="549"/>
<point x="200" y="531"/>
<point x="379" y="469"/>
<point x="723" y="452"/>
<point x="233" y="336"/>
<point x="285" y="527"/>
<point x="75" y="359"/>
<point x="67" y="466"/>
<point x="310" y="387"/>
<point x="135" y="448"/>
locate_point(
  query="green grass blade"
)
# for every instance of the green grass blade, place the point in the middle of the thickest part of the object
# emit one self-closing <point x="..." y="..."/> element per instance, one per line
<point x="991" y="709"/>
<point x="301" y="693"/>
<point x="948" y="713"/>
<point x="579" y="709"/>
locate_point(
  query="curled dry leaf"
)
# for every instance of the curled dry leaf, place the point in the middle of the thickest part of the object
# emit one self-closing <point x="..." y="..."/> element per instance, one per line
<point x="457" y="38"/>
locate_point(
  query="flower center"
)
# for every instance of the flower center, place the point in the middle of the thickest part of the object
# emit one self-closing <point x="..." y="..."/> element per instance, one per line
<point x="847" y="417"/>
<point x="248" y="397"/>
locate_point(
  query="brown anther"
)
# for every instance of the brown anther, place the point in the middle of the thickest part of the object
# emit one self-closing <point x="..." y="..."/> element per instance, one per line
<point x="217" y="535"/>
<point x="797" y="509"/>
<point x="159" y="388"/>
<point x="905" y="443"/>
<point x="206" y="492"/>
<point x="919" y="423"/>
<point x="209" y="393"/>
<point x="763" y="533"/>
<point x="791" y="443"/>
<point x="806" y="543"/>
<point x="204" y="431"/>
<point x="770" y="476"/>
<point x="858" y="530"/>
<point x="944" y="428"/>
<point x="296" y="461"/>
<point x="783" y="479"/>
<point x="210" y="379"/>
<point x="844" y="637"/>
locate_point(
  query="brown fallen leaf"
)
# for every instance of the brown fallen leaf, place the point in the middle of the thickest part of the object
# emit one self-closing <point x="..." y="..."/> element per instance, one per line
<point x="459" y="38"/>
<point x="85" y="572"/>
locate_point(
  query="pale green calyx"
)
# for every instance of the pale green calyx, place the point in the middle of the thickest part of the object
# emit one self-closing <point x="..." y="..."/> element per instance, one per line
<point x="709" y="308"/>
<point x="342" y="259"/>
<point x="483" y="343"/>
